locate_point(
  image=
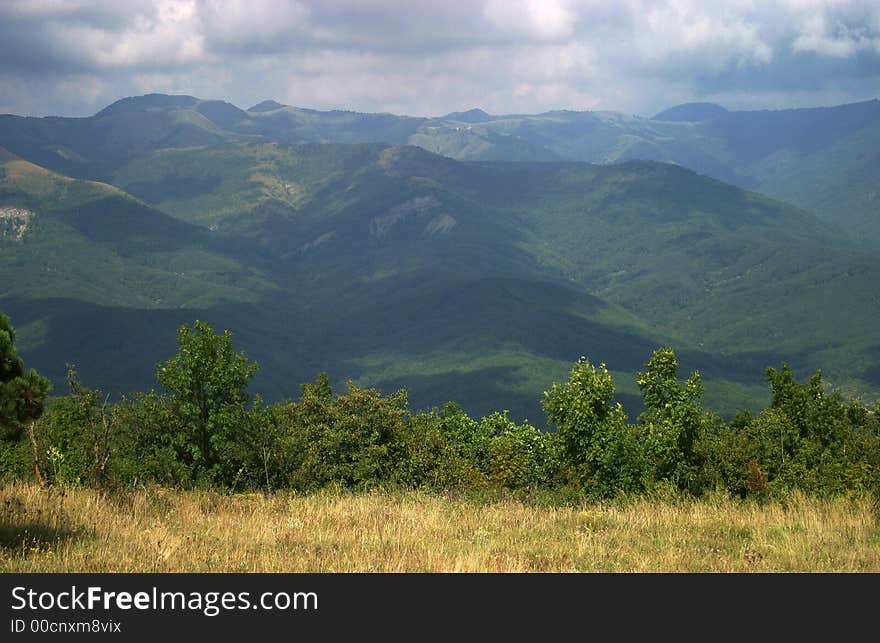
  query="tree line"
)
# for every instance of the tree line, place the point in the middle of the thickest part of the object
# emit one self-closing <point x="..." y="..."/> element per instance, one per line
<point x="203" y="428"/>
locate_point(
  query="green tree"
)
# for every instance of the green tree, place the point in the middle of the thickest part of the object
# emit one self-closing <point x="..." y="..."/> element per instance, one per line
<point x="816" y="414"/>
<point x="22" y="394"/>
<point x="672" y="422"/>
<point x="207" y="386"/>
<point x="596" y="440"/>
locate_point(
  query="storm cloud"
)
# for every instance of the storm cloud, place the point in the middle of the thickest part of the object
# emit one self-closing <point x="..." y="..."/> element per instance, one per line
<point x="72" y="57"/>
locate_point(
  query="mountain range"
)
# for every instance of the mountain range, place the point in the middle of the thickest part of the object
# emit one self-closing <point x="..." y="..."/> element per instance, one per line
<point x="471" y="257"/>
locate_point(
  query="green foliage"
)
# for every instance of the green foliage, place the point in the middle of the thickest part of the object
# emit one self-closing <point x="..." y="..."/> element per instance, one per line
<point x="750" y="450"/>
<point x="815" y="414"/>
<point x="433" y="455"/>
<point x="472" y="439"/>
<point x="22" y="394"/>
<point x="253" y="457"/>
<point x="207" y="386"/>
<point x="207" y="431"/>
<point x="521" y="455"/>
<point x="151" y="444"/>
<point x="73" y="437"/>
<point x="807" y="439"/>
<point x="595" y="438"/>
<point x="352" y="440"/>
<point x="672" y="422"/>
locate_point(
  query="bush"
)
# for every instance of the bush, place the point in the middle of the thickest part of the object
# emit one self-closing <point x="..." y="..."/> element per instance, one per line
<point x="150" y="445"/>
<point x="521" y="455"/>
<point x="599" y="448"/>
<point x="353" y="440"/>
<point x="71" y="441"/>
<point x="432" y="459"/>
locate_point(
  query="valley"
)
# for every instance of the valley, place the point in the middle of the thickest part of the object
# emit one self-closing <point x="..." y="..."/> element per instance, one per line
<point x="327" y="241"/>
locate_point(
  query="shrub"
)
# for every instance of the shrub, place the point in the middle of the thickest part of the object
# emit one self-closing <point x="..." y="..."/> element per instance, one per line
<point x="596" y="442"/>
<point x="353" y="440"/>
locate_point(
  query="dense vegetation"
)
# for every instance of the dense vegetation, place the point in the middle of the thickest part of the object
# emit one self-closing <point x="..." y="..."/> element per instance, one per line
<point x="204" y="429"/>
<point x="394" y="267"/>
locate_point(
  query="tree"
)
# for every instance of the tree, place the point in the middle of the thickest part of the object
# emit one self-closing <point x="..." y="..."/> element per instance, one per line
<point x="673" y="420"/>
<point x="596" y="440"/>
<point x="816" y="415"/>
<point x="22" y="394"/>
<point x="207" y="384"/>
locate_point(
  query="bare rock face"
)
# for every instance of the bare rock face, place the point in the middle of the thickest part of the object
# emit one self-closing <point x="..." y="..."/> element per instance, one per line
<point x="320" y="241"/>
<point x="420" y="206"/>
<point x="441" y="224"/>
<point x="14" y="222"/>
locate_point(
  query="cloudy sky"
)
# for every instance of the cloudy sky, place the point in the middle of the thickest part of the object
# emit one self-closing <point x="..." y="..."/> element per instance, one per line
<point x="430" y="57"/>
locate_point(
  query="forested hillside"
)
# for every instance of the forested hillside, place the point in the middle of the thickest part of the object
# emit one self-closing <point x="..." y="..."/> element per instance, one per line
<point x="395" y="266"/>
<point x="822" y="159"/>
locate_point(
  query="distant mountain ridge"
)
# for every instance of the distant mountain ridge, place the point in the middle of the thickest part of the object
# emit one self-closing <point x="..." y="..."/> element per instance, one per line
<point x="822" y="159"/>
<point x="691" y="112"/>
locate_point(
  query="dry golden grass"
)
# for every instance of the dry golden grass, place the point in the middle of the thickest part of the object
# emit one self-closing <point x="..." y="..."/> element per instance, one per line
<point x="80" y="530"/>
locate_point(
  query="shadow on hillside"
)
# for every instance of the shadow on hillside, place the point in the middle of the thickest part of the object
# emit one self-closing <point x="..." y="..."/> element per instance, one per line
<point x="26" y="530"/>
<point x="872" y="373"/>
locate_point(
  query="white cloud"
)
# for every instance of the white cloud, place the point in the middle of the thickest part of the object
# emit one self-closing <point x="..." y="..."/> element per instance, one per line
<point x="48" y="7"/>
<point x="711" y="38"/>
<point x="251" y="22"/>
<point x="824" y="35"/>
<point x="531" y="19"/>
<point x="435" y="56"/>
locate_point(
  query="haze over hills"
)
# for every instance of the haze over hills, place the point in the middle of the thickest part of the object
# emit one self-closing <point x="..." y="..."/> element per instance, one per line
<point x="823" y="159"/>
<point x="476" y="281"/>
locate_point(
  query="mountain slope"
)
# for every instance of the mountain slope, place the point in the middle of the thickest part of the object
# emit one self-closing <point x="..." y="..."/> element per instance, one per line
<point x="480" y="282"/>
<point x="820" y="158"/>
<point x="85" y="265"/>
<point x="692" y="258"/>
<point x="96" y="243"/>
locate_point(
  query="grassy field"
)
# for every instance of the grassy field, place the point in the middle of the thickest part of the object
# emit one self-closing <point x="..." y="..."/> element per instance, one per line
<point x="156" y="530"/>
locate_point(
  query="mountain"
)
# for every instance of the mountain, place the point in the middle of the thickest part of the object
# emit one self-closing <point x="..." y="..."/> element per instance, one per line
<point x="96" y="243"/>
<point x="89" y="147"/>
<point x="476" y="281"/>
<point x="691" y="113"/>
<point x="823" y="160"/>
<point x="471" y="116"/>
<point x="266" y="106"/>
<point x="75" y="256"/>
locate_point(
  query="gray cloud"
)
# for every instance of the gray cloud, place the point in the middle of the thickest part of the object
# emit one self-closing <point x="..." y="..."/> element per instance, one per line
<point x="430" y="57"/>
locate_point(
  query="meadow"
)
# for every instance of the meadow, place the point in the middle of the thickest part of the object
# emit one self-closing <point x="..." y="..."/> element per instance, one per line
<point x="154" y="529"/>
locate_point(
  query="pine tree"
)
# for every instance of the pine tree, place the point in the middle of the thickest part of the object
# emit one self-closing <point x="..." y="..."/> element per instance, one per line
<point x="22" y="394"/>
